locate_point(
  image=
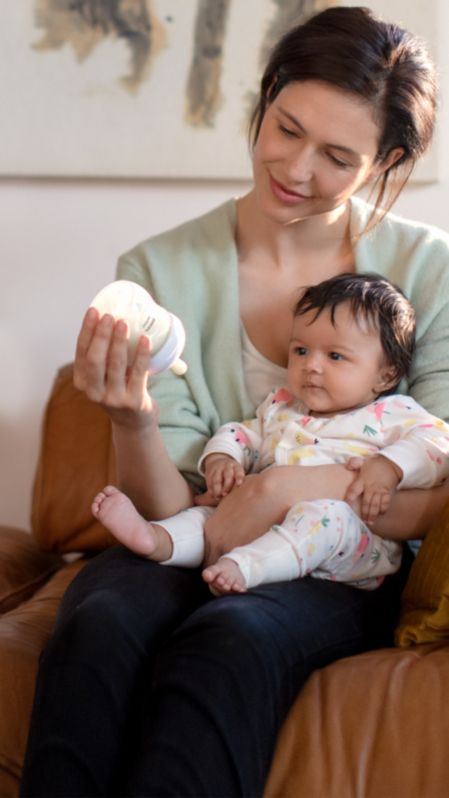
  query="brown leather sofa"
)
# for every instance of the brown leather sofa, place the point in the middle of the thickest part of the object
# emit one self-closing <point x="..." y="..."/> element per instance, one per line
<point x="370" y="726"/>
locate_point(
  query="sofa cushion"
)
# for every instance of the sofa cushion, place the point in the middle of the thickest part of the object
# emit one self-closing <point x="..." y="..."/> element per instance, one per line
<point x="24" y="568"/>
<point x="23" y="633"/>
<point x="424" y="613"/>
<point x="372" y="725"/>
<point x="76" y="461"/>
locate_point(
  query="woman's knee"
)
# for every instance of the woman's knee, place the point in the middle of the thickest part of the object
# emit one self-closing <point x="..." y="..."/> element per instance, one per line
<point x="235" y="631"/>
<point x="133" y="581"/>
<point x="120" y="600"/>
<point x="98" y="626"/>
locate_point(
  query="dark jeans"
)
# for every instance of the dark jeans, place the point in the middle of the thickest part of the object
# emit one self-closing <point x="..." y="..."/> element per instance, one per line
<point x="151" y="687"/>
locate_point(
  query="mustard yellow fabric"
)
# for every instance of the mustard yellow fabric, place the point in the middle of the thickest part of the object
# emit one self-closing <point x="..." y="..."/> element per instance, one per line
<point x="424" y="614"/>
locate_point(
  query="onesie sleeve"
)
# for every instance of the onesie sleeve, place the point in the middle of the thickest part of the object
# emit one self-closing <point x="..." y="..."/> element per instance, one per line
<point x="241" y="441"/>
<point x="422" y="451"/>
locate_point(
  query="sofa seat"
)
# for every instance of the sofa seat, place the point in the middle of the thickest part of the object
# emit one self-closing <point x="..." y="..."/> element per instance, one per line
<point x="371" y="726"/>
<point x="37" y="581"/>
<point x="374" y="725"/>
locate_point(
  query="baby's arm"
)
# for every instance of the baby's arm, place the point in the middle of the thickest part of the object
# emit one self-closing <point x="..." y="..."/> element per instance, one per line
<point x="375" y="484"/>
<point x="222" y="474"/>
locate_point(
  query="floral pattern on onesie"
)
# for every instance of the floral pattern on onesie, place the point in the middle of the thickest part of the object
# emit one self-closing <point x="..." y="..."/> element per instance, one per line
<point x="284" y="433"/>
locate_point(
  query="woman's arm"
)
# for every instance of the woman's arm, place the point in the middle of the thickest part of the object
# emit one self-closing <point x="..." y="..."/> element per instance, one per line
<point x="144" y="470"/>
<point x="264" y="499"/>
<point x="412" y="513"/>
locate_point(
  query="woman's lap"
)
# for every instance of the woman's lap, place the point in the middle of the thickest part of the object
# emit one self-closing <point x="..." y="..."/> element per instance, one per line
<point x="183" y="691"/>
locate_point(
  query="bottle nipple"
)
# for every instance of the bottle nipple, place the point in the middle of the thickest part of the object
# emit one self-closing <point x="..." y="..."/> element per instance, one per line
<point x="126" y="300"/>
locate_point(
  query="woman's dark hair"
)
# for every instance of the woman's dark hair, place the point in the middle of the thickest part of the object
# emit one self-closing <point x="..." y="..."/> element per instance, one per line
<point x="381" y="63"/>
<point x="375" y="300"/>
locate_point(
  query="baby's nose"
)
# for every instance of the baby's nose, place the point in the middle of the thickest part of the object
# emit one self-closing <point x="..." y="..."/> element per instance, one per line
<point x="314" y="362"/>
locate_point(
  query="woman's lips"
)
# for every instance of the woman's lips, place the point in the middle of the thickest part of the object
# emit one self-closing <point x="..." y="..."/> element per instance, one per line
<point x="284" y="194"/>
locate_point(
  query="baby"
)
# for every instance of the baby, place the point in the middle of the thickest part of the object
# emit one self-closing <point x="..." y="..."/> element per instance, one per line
<point x="352" y="341"/>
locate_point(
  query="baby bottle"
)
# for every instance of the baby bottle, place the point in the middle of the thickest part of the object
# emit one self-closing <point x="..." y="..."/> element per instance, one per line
<point x="126" y="300"/>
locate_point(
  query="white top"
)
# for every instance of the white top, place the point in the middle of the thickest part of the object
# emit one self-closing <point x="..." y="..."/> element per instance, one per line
<point x="261" y="375"/>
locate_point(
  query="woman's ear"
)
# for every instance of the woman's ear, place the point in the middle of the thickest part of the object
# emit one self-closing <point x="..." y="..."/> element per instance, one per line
<point x="393" y="157"/>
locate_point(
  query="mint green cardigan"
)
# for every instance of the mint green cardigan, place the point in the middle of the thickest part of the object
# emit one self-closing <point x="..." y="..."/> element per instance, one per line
<point x="193" y="272"/>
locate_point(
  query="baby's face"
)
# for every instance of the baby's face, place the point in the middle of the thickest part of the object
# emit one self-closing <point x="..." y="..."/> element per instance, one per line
<point x="335" y="367"/>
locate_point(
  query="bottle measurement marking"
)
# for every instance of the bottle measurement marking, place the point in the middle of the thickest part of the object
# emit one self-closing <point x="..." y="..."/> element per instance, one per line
<point x="148" y="323"/>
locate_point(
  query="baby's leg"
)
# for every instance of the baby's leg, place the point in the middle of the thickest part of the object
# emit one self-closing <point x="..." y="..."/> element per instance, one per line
<point x="224" y="577"/>
<point x="355" y="554"/>
<point x="324" y="538"/>
<point x="117" y="513"/>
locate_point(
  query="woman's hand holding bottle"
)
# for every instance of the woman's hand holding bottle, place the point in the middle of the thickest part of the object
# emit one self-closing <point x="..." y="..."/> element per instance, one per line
<point x="101" y="371"/>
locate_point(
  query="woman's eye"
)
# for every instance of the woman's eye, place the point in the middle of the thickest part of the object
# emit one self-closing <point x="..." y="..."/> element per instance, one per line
<point x="338" y="162"/>
<point x="286" y="131"/>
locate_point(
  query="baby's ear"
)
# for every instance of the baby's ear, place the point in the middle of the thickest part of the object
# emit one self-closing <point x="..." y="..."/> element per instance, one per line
<point x="387" y="379"/>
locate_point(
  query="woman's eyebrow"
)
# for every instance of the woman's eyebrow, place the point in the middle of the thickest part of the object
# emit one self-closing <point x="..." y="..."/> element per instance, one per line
<point x="297" y="124"/>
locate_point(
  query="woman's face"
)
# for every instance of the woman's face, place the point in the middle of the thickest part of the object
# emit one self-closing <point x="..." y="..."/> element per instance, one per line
<point x="316" y="146"/>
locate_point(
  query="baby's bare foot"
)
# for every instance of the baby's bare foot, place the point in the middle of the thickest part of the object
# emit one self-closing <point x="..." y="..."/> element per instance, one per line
<point x="224" y="577"/>
<point x="117" y="513"/>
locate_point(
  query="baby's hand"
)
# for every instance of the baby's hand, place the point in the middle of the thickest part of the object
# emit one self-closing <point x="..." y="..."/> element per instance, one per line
<point x="223" y="473"/>
<point x="376" y="482"/>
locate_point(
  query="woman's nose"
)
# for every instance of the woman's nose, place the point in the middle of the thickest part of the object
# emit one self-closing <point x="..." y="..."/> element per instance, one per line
<point x="301" y="163"/>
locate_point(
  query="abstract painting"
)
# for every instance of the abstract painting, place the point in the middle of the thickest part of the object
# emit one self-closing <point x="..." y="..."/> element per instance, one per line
<point x="141" y="88"/>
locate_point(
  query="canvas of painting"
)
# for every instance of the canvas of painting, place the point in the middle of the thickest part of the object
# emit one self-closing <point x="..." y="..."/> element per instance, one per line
<point x="145" y="88"/>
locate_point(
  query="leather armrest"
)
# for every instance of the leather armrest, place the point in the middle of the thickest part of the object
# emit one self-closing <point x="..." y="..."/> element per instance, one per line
<point x="24" y="631"/>
<point x="23" y="567"/>
<point x="76" y="461"/>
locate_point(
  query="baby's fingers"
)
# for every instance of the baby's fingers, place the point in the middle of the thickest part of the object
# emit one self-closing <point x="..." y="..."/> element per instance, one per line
<point x="215" y="483"/>
<point x="354" y="491"/>
<point x="230" y="478"/>
<point x="354" y="463"/>
<point x="370" y="507"/>
<point x="376" y="504"/>
<point x="239" y="475"/>
<point x="384" y="503"/>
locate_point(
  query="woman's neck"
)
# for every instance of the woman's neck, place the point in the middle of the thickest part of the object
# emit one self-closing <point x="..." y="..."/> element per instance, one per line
<point x="324" y="236"/>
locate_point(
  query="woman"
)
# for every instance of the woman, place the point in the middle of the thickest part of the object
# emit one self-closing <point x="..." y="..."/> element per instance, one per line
<point x="149" y="685"/>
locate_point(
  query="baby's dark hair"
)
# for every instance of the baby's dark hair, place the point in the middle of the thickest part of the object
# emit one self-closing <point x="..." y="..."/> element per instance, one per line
<point x="377" y="301"/>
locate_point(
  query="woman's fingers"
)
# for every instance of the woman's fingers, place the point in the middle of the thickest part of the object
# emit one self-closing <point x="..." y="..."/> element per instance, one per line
<point x="137" y="379"/>
<point x="101" y="369"/>
<point x="96" y="358"/>
<point x="89" y="323"/>
<point x="83" y="342"/>
<point x="116" y="364"/>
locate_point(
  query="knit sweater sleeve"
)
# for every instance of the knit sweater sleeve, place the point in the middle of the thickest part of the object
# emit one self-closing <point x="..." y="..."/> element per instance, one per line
<point x="192" y="271"/>
<point x="416" y="258"/>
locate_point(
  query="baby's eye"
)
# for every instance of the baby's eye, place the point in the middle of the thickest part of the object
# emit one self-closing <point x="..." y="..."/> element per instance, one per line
<point x="335" y="356"/>
<point x="300" y="350"/>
